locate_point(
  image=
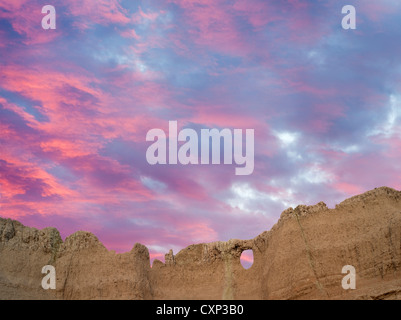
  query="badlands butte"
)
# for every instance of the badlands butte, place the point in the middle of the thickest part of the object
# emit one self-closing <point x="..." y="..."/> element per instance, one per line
<point x="301" y="257"/>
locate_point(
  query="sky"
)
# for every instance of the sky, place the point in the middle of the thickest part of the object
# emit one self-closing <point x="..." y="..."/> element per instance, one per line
<point x="77" y="102"/>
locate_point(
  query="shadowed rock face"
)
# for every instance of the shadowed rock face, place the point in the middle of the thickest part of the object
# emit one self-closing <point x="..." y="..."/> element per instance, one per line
<point x="301" y="257"/>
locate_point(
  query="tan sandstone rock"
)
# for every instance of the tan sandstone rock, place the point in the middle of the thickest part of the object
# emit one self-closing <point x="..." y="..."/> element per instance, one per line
<point x="301" y="257"/>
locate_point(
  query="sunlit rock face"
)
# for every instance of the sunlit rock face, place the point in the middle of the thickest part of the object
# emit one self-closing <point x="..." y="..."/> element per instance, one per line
<point x="301" y="257"/>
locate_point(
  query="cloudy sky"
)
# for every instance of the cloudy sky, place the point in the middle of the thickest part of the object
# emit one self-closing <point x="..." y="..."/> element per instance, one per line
<point x="76" y="104"/>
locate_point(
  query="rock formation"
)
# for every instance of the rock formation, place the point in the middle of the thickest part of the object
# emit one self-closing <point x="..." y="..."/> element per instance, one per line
<point x="301" y="257"/>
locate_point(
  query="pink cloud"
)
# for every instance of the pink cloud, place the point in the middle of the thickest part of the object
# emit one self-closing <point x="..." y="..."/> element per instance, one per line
<point x="28" y="21"/>
<point x="104" y="12"/>
<point x="348" y="188"/>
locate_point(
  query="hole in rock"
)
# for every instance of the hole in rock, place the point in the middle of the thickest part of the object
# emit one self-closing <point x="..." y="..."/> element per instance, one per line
<point x="247" y="259"/>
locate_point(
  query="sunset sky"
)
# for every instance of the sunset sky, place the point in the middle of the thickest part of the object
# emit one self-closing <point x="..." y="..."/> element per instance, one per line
<point x="77" y="102"/>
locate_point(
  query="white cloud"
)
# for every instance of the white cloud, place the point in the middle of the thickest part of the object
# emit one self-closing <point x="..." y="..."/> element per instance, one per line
<point x="353" y="148"/>
<point x="287" y="138"/>
<point x="314" y="175"/>
<point x="250" y="200"/>
<point x="316" y="57"/>
<point x="153" y="184"/>
<point x="390" y="126"/>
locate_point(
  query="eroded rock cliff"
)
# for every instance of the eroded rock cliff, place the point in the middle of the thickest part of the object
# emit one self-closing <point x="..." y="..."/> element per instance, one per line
<point x="301" y="257"/>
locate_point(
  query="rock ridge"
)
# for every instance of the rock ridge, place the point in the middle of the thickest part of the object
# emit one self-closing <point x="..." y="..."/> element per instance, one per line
<point x="300" y="257"/>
